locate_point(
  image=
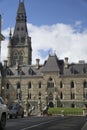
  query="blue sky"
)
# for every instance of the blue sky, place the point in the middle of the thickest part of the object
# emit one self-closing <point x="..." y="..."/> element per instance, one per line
<point x="58" y="26"/>
<point x="46" y="12"/>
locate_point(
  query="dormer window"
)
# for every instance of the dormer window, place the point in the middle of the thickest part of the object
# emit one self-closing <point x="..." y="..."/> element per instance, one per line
<point x="31" y="72"/>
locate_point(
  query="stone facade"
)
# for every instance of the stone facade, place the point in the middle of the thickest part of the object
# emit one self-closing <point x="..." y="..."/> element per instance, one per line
<point x="55" y="83"/>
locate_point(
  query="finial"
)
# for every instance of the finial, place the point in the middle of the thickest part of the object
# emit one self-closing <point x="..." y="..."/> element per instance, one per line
<point x="10" y="34"/>
<point x="21" y="1"/>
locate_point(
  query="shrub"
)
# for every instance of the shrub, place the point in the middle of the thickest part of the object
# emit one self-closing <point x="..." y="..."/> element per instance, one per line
<point x="65" y="111"/>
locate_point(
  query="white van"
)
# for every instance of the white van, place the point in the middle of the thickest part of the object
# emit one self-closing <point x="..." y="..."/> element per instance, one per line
<point x="3" y="114"/>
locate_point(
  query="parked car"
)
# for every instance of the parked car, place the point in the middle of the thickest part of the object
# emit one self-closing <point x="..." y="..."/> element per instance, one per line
<point x="16" y="110"/>
<point x="3" y="114"/>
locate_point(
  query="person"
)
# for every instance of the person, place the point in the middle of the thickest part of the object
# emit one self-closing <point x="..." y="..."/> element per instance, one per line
<point x="27" y="107"/>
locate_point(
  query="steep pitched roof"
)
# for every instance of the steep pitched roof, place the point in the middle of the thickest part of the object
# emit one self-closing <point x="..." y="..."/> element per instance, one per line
<point x="76" y="69"/>
<point x="51" y="65"/>
<point x="1" y="37"/>
<point x="20" y="30"/>
<point x="21" y="8"/>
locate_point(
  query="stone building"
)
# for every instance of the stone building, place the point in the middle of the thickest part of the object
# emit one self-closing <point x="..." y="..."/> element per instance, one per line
<point x="1" y="67"/>
<point x="55" y="83"/>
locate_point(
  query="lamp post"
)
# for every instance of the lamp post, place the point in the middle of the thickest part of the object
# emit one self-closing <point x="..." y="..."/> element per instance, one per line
<point x="40" y="106"/>
<point x="18" y="68"/>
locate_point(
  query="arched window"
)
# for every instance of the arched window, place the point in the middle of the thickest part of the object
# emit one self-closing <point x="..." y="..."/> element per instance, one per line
<point x="61" y="84"/>
<point x="85" y="84"/>
<point x="50" y="83"/>
<point x="61" y="95"/>
<point x="39" y="84"/>
<point x="21" y="55"/>
<point x="72" y="95"/>
<point x="7" y="85"/>
<point x="18" y="85"/>
<point x="29" y="85"/>
<point x="15" y="57"/>
<point x="29" y="95"/>
<point x="72" y="84"/>
<point x="39" y="94"/>
<point x="73" y="105"/>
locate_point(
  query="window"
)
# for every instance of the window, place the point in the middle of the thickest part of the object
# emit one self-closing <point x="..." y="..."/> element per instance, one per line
<point x="85" y="84"/>
<point x="50" y="83"/>
<point x="15" y="57"/>
<point x="21" y="55"/>
<point x="29" y="95"/>
<point x="29" y="85"/>
<point x="61" y="95"/>
<point x="18" y="85"/>
<point x="72" y="95"/>
<point x="39" y="94"/>
<point x="39" y="84"/>
<point x="61" y="85"/>
<point x="72" y="84"/>
<point x="7" y="85"/>
<point x="22" y="39"/>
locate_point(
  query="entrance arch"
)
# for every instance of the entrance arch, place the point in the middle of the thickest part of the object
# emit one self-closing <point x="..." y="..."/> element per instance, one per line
<point x="51" y="104"/>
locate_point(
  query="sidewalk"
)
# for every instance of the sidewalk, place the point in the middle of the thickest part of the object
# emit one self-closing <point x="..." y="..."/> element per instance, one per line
<point x="85" y="126"/>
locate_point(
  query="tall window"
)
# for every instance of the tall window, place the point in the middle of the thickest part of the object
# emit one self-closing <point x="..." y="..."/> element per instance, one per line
<point x="29" y="85"/>
<point x="21" y="55"/>
<point x="18" y="85"/>
<point x="39" y="95"/>
<point x="18" y="56"/>
<point x="72" y="84"/>
<point x="39" y="84"/>
<point x="61" y="95"/>
<point x="29" y="95"/>
<point x="7" y="85"/>
<point x="50" y="83"/>
<point x="85" y="84"/>
<point x="85" y="89"/>
<point x="15" y="57"/>
<point x="72" y="95"/>
<point x="61" y="84"/>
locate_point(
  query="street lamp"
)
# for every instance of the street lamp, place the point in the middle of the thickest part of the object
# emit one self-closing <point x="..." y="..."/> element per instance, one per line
<point x="40" y="106"/>
<point x="19" y="92"/>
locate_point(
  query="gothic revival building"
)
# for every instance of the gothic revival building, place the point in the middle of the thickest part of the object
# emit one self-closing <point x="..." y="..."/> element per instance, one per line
<point x="56" y="82"/>
<point x="19" y="47"/>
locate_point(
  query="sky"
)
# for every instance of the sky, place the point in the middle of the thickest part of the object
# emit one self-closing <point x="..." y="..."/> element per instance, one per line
<point x="55" y="27"/>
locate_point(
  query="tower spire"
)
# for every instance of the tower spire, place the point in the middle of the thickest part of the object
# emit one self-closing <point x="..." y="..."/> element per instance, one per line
<point x="21" y="1"/>
<point x="20" y="42"/>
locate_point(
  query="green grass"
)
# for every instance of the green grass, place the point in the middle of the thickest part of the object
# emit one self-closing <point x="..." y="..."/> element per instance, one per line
<point x="66" y="111"/>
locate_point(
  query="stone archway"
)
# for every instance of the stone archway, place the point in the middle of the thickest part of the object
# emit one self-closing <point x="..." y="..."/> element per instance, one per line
<point x="51" y="104"/>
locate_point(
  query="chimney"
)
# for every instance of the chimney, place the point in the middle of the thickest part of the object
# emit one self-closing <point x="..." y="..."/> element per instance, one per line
<point x="37" y="63"/>
<point x="66" y="62"/>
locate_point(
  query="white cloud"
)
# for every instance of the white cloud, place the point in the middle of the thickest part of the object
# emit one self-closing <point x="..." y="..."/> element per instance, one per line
<point x="62" y="39"/>
<point x="78" y="23"/>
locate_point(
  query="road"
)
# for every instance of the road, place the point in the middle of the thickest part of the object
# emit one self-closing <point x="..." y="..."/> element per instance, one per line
<point x="46" y="123"/>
